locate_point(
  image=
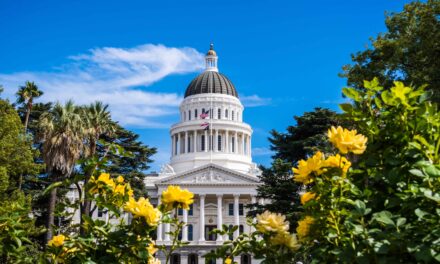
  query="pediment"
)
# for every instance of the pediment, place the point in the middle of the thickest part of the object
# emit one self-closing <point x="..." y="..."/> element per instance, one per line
<point x="209" y="175"/>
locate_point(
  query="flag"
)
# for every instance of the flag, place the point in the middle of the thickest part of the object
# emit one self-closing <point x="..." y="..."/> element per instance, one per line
<point x="205" y="125"/>
<point x="204" y="114"/>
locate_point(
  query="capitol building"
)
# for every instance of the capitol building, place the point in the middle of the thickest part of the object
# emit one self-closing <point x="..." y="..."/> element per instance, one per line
<point x="211" y="157"/>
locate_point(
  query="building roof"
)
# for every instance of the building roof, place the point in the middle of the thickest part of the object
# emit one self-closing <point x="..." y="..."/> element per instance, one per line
<point x="211" y="82"/>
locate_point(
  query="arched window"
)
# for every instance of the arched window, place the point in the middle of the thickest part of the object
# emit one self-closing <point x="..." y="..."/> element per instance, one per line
<point x="219" y="113"/>
<point x="193" y="259"/>
<point x="175" y="258"/>
<point x="245" y="259"/>
<point x="189" y="115"/>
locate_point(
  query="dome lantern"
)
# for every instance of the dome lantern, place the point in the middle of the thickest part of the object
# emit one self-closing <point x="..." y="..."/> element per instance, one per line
<point x="211" y="59"/>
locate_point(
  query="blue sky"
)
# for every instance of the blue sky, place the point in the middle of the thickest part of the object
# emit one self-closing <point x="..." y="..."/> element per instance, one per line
<point x="138" y="56"/>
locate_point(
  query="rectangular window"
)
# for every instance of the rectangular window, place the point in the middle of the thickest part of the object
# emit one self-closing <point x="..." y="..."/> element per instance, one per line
<point x="177" y="144"/>
<point x="219" y="143"/>
<point x="219" y="114"/>
<point x="240" y="209"/>
<point x="190" y="211"/>
<point x="232" y="114"/>
<point x="189" y="145"/>
<point x="190" y="232"/>
<point x="202" y="145"/>
<point x="189" y="114"/>
<point x="211" y="114"/>
<point x="180" y="211"/>
<point x="100" y="212"/>
<point x="233" y="144"/>
<point x="226" y="113"/>
<point x="241" y="229"/>
<point x="195" y="113"/>
<point x="231" y="209"/>
<point x="231" y="236"/>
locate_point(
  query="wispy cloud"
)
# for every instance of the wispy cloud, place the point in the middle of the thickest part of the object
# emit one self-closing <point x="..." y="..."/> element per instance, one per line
<point x="254" y="100"/>
<point x="262" y="152"/>
<point x="116" y="76"/>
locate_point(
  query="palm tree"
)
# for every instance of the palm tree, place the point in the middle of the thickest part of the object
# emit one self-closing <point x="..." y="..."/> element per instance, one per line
<point x="26" y="95"/>
<point x="98" y="122"/>
<point x="62" y="132"/>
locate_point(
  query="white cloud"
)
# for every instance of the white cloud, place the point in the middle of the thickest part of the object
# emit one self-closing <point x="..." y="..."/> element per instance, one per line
<point x="115" y="76"/>
<point x="262" y="152"/>
<point x="254" y="100"/>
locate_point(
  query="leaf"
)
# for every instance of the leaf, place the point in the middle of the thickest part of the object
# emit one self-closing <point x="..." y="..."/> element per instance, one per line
<point x="347" y="108"/>
<point x="420" y="213"/>
<point x="351" y="93"/>
<point x="417" y="172"/>
<point x="384" y="217"/>
<point x="360" y="207"/>
<point x="51" y="187"/>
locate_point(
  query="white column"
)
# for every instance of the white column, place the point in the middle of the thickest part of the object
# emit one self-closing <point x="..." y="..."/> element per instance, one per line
<point x="186" y="143"/>
<point x="226" y="142"/>
<point x="195" y="140"/>
<point x="216" y="141"/>
<point x="172" y="145"/>
<point x="219" y="215"/>
<point x="185" y="227"/>
<point x="167" y="231"/>
<point x="253" y="201"/>
<point x="179" y="151"/>
<point x="160" y="226"/>
<point x="250" y="146"/>
<point x="206" y="140"/>
<point x="236" y="143"/>
<point x="236" y="216"/>
<point x="242" y="144"/>
<point x="202" y="219"/>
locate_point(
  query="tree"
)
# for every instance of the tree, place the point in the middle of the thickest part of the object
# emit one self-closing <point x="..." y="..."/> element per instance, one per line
<point x="409" y="51"/>
<point x="17" y="227"/>
<point x="26" y="95"/>
<point x="307" y="135"/>
<point x="97" y="123"/>
<point x="16" y="154"/>
<point x="279" y="188"/>
<point x="61" y="131"/>
<point x="132" y="166"/>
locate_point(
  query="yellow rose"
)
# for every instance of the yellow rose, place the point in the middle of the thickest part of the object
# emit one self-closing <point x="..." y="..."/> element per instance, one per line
<point x="303" y="228"/>
<point x="228" y="260"/>
<point x="338" y="162"/>
<point x="272" y="222"/>
<point x="152" y="248"/>
<point x="286" y="239"/>
<point x="307" y="197"/>
<point x="57" y="241"/>
<point x="174" y="197"/>
<point x="347" y="140"/>
<point x="154" y="261"/>
<point x="120" y="189"/>
<point x="143" y="208"/>
<point x="120" y="179"/>
<point x="306" y="168"/>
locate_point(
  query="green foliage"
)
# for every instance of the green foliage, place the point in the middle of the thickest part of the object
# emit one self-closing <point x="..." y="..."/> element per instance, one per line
<point x="385" y="210"/>
<point x="278" y="186"/>
<point x="408" y="51"/>
<point x="16" y="154"/>
<point x="305" y="137"/>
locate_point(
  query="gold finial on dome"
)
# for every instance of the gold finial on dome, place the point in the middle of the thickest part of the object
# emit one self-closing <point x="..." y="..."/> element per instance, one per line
<point x="211" y="51"/>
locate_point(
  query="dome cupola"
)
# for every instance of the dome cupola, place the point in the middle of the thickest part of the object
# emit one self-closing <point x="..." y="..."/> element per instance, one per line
<point x="211" y="81"/>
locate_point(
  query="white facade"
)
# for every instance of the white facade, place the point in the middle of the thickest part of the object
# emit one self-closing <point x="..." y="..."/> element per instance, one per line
<point x="215" y="164"/>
